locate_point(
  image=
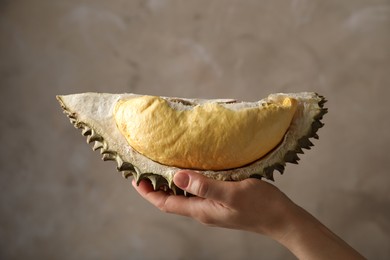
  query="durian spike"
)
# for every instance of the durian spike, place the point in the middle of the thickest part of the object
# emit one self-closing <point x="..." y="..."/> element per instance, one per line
<point x="127" y="174"/>
<point x="98" y="145"/>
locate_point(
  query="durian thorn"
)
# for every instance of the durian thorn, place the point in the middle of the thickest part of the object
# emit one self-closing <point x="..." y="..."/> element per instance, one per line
<point x="269" y="173"/>
<point x="291" y="157"/>
<point x="125" y="166"/>
<point x="74" y="122"/>
<point x="161" y="183"/>
<point x="173" y="188"/>
<point x="321" y="114"/>
<point x="298" y="149"/>
<point x="86" y="131"/>
<point x="103" y="146"/>
<point x="322" y="101"/>
<point x="69" y="114"/>
<point x="304" y="142"/>
<point x="143" y="176"/>
<point x="153" y="181"/>
<point x="138" y="175"/>
<point x="97" y="145"/>
<point x="119" y="162"/>
<point x="94" y="137"/>
<point x="279" y="167"/>
<point x="127" y="174"/>
<point x="170" y="183"/>
<point x="108" y="157"/>
<point x="317" y="124"/>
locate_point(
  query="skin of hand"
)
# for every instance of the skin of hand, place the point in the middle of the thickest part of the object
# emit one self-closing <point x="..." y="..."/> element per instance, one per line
<point x="252" y="205"/>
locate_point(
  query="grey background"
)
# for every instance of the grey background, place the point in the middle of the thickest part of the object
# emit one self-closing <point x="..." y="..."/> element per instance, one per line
<point x="60" y="201"/>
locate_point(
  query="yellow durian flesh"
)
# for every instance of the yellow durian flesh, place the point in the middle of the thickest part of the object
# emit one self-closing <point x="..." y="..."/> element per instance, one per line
<point x="209" y="136"/>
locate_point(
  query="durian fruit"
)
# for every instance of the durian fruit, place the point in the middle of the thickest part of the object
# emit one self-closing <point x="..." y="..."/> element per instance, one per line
<point x="154" y="137"/>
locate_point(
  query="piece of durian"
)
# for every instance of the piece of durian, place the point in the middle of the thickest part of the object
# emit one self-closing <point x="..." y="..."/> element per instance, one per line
<point x="154" y="137"/>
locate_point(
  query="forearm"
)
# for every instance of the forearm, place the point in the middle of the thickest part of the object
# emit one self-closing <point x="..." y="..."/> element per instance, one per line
<point x="307" y="238"/>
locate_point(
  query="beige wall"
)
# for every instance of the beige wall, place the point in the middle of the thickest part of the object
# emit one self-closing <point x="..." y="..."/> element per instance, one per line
<point x="60" y="201"/>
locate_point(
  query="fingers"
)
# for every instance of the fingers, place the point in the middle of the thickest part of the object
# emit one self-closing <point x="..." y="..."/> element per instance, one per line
<point x="157" y="198"/>
<point x="201" y="186"/>
<point x="166" y="202"/>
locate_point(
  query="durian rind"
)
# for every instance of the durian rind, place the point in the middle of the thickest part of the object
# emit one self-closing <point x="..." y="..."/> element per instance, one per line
<point x="93" y="113"/>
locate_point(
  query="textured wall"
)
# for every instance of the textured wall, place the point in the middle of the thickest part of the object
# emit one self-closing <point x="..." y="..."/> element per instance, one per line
<point x="60" y="201"/>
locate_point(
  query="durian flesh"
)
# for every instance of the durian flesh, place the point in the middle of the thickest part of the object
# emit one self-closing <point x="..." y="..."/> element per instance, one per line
<point x="154" y="137"/>
<point x="205" y="137"/>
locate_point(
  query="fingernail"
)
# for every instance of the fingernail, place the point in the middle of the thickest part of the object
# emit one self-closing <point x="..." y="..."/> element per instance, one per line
<point x="181" y="179"/>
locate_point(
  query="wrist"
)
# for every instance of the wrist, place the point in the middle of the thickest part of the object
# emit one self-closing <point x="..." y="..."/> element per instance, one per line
<point x="308" y="238"/>
<point x="290" y="223"/>
<point x="282" y="222"/>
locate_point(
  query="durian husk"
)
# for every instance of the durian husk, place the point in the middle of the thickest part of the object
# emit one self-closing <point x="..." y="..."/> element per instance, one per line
<point x="93" y="113"/>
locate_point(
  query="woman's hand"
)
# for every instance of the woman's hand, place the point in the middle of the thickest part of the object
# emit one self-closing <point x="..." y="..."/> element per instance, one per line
<point x="251" y="205"/>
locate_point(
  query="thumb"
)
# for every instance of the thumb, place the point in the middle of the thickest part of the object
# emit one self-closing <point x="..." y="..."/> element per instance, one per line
<point x="200" y="185"/>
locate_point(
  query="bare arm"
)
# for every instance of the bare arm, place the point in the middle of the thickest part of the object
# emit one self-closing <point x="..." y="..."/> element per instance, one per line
<point x="251" y="205"/>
